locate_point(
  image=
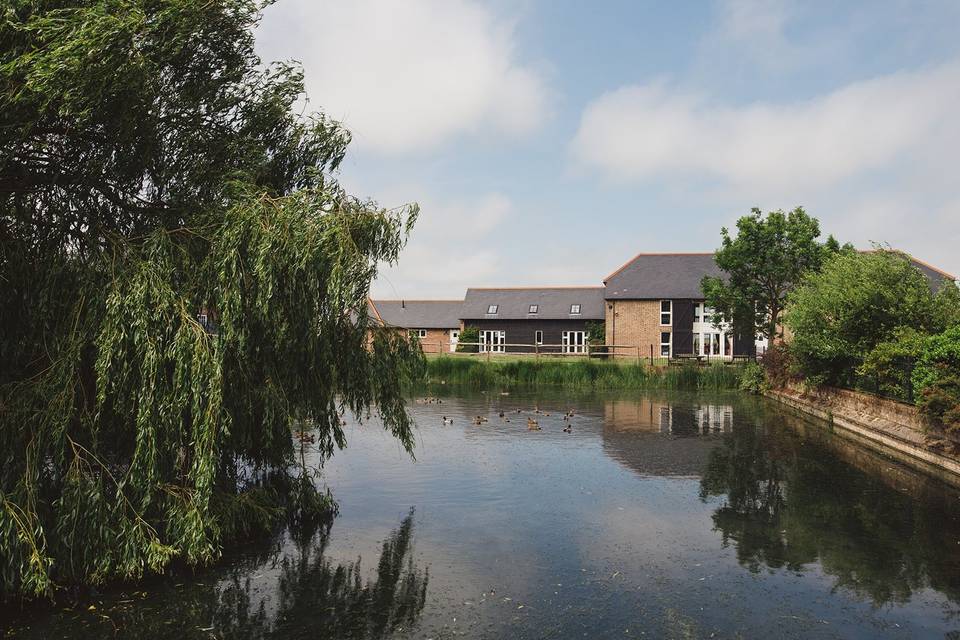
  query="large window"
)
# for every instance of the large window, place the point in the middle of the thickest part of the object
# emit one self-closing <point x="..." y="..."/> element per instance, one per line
<point x="492" y="341"/>
<point x="574" y="342"/>
<point x="666" y="312"/>
<point x="538" y="337"/>
<point x="492" y="309"/>
<point x="665" y="344"/>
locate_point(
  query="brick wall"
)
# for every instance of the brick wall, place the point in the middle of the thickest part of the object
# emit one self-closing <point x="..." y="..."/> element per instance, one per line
<point x="632" y="323"/>
<point x="436" y="340"/>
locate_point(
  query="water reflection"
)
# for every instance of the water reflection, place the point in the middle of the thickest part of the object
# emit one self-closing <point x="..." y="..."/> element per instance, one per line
<point x="641" y="434"/>
<point x="791" y="503"/>
<point x="294" y="590"/>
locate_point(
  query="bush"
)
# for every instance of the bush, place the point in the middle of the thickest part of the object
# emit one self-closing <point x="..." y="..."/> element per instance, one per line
<point x="857" y="301"/>
<point x="777" y="365"/>
<point x="753" y="379"/>
<point x="936" y="378"/>
<point x="888" y="367"/>
<point x="469" y="334"/>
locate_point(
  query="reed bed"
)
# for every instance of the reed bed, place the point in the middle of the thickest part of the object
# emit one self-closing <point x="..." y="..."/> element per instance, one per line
<point x="579" y="374"/>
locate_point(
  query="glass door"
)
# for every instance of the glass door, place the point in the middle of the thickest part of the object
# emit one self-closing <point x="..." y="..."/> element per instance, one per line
<point x="574" y="342"/>
<point x="492" y="341"/>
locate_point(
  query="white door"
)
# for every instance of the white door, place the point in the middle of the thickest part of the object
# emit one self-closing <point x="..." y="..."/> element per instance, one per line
<point x="492" y="341"/>
<point x="574" y="342"/>
<point x="454" y="339"/>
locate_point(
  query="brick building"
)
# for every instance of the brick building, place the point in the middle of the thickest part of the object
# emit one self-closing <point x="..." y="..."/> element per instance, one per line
<point x="435" y="322"/>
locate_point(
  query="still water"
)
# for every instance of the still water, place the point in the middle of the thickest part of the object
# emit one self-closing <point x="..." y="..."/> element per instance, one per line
<point x="656" y="516"/>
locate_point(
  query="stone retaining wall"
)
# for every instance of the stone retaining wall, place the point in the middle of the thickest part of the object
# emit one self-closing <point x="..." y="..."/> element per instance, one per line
<point x="890" y="426"/>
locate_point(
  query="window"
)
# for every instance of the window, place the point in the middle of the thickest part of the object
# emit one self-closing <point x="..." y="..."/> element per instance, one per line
<point x="534" y="308"/>
<point x="666" y="312"/>
<point x="202" y="319"/>
<point x="574" y="342"/>
<point x="492" y="341"/>
<point x="420" y="333"/>
<point x="665" y="344"/>
<point x="492" y="308"/>
<point x="697" y="312"/>
<point x="574" y="309"/>
<point x="538" y="337"/>
<point x="455" y="334"/>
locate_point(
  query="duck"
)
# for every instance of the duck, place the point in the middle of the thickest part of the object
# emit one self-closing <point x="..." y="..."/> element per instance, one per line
<point x="568" y="429"/>
<point x="532" y="425"/>
<point x="447" y="420"/>
<point x="501" y="414"/>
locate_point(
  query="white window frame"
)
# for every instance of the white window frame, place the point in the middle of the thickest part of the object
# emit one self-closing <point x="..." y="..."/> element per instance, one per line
<point x="202" y="319"/>
<point x="421" y="333"/>
<point x="668" y="344"/>
<point x="574" y="342"/>
<point x="575" y="309"/>
<point x="668" y="314"/>
<point x="538" y="337"/>
<point x="534" y="308"/>
<point x="492" y="309"/>
<point x="495" y="344"/>
<point x="697" y="312"/>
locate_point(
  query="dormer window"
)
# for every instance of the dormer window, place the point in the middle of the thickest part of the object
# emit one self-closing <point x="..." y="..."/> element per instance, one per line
<point x="574" y="309"/>
<point x="534" y="308"/>
<point x="492" y="309"/>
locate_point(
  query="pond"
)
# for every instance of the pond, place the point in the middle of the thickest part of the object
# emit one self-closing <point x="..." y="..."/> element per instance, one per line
<point x="653" y="515"/>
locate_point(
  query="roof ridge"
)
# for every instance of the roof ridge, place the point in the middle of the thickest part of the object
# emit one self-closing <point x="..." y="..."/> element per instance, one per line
<point x="657" y="253"/>
<point x="588" y="286"/>
<point x="418" y="300"/>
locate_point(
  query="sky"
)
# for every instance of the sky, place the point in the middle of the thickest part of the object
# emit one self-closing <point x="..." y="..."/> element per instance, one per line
<point x="549" y="141"/>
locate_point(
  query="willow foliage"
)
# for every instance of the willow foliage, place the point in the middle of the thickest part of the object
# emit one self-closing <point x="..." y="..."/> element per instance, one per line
<point x="153" y="173"/>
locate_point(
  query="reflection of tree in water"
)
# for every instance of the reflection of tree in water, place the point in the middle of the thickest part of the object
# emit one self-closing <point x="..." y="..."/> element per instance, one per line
<point x="287" y="590"/>
<point x="330" y="600"/>
<point x="790" y="502"/>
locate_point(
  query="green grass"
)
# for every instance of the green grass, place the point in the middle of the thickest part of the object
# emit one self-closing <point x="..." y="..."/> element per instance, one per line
<point x="577" y="374"/>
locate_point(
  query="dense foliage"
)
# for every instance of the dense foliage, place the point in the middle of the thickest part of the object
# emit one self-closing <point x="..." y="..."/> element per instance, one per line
<point x="766" y="259"/>
<point x="936" y="378"/>
<point x="153" y="171"/>
<point x="858" y="303"/>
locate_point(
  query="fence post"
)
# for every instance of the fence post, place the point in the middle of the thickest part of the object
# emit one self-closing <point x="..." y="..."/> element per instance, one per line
<point x="651" y="355"/>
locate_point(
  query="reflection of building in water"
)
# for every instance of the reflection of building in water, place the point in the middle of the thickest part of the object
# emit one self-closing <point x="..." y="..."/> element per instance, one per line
<point x="651" y="415"/>
<point x="634" y="429"/>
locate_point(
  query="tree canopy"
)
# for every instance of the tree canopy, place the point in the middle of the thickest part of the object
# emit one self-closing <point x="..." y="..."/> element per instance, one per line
<point x="857" y="302"/>
<point x="152" y="169"/>
<point x="763" y="262"/>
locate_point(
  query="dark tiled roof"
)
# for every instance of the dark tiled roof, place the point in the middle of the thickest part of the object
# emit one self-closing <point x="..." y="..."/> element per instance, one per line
<point x="678" y="275"/>
<point x="553" y="303"/>
<point x="419" y="314"/>
<point x="661" y="275"/>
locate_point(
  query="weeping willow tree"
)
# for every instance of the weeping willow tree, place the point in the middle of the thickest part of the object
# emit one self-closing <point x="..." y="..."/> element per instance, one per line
<point x="153" y="174"/>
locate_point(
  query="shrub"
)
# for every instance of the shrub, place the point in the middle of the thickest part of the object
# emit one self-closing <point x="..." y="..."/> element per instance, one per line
<point x="888" y="367"/>
<point x="469" y="334"/>
<point x="753" y="379"/>
<point x="777" y="364"/>
<point x="936" y="379"/>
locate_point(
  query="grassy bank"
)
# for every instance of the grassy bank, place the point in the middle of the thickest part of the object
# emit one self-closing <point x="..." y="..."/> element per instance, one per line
<point x="578" y="374"/>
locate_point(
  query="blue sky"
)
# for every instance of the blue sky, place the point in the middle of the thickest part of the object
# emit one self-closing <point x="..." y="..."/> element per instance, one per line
<point x="547" y="142"/>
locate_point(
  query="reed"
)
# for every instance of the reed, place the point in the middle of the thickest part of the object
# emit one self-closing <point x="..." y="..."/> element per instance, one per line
<point x="578" y="374"/>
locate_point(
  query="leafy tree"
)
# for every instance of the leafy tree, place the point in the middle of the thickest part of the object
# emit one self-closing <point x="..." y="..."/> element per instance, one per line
<point x="596" y="332"/>
<point x="151" y="169"/>
<point x="766" y="259"/>
<point x="856" y="302"/>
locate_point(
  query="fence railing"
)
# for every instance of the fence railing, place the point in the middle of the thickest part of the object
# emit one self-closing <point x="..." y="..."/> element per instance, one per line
<point x="648" y="354"/>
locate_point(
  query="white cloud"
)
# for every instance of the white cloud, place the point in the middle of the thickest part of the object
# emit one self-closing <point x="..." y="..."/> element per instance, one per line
<point x="453" y="246"/>
<point x="407" y="76"/>
<point x="651" y="131"/>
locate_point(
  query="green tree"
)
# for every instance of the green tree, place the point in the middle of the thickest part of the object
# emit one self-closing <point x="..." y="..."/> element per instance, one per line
<point x="766" y="259"/>
<point x="857" y="302"/>
<point x="152" y="169"/>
